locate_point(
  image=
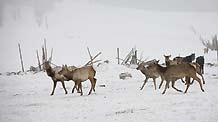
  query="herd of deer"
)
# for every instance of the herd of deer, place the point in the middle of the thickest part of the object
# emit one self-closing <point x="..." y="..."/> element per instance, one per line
<point x="178" y="68"/>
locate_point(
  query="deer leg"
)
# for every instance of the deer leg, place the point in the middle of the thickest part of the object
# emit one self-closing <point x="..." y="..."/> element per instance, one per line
<point x="166" y="86"/>
<point x="182" y="80"/>
<point x="192" y="81"/>
<point x="173" y="83"/>
<point x="92" y="85"/>
<point x="202" y="77"/>
<point x="202" y="68"/>
<point x="154" y="80"/>
<point x="146" y="79"/>
<point x="62" y="82"/>
<point x="199" y="81"/>
<point x="75" y="86"/>
<point x="80" y="86"/>
<point x="187" y="79"/>
<point x="54" y="86"/>
<point x="161" y="83"/>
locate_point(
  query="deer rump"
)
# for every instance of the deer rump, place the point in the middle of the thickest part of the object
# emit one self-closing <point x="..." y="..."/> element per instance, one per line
<point x="83" y="74"/>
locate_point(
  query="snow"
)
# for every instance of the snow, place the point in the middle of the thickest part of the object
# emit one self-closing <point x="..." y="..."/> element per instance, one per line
<point x="27" y="98"/>
<point x="74" y="25"/>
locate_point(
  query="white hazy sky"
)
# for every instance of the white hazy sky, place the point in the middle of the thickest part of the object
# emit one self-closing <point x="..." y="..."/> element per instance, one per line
<point x="102" y="25"/>
<point x="42" y="6"/>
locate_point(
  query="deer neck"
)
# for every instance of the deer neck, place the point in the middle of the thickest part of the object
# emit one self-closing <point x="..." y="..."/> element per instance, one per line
<point x="68" y="74"/>
<point x="50" y="72"/>
<point x="161" y="69"/>
<point x="144" y="70"/>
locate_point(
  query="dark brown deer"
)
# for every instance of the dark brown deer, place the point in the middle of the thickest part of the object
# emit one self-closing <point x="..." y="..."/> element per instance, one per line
<point x="79" y="75"/>
<point x="199" y="71"/>
<point x="148" y="74"/>
<point x="54" y="76"/>
<point x="175" y="72"/>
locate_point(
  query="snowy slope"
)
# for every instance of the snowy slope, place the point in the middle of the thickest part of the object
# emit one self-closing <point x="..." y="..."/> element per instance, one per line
<point x="26" y="98"/>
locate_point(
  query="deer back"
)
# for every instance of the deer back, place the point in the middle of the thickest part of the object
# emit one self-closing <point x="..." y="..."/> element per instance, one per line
<point x="179" y="71"/>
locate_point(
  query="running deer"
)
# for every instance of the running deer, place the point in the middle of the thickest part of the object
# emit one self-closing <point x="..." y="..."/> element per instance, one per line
<point x="148" y="74"/>
<point x="79" y="75"/>
<point x="175" y="72"/>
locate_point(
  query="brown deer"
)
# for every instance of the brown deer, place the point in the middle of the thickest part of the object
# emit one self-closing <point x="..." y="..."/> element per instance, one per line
<point x="68" y="77"/>
<point x="54" y="76"/>
<point x="79" y="75"/>
<point x="148" y="74"/>
<point x="168" y="61"/>
<point x="175" y="72"/>
<point x="197" y="67"/>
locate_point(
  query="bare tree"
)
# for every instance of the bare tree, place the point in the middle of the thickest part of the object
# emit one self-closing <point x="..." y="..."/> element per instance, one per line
<point x="211" y="45"/>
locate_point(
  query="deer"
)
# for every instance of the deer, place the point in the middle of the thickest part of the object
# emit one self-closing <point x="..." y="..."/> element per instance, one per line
<point x="168" y="61"/>
<point x="200" y="61"/>
<point x="79" y="75"/>
<point x="199" y="64"/>
<point x="148" y="74"/>
<point x="54" y="76"/>
<point x="175" y="72"/>
<point x="187" y="59"/>
<point x="199" y="71"/>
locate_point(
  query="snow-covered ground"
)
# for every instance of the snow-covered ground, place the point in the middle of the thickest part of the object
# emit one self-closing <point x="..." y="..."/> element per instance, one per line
<point x="74" y="25"/>
<point x="27" y="99"/>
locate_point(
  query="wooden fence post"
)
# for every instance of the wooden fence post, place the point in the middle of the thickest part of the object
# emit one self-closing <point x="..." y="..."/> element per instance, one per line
<point x="118" y="55"/>
<point x="21" y="59"/>
<point x="90" y="55"/>
<point x="40" y="68"/>
<point x="45" y="49"/>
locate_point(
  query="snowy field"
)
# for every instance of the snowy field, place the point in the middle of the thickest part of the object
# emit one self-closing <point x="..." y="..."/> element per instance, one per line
<point x="27" y="99"/>
<point x="74" y="25"/>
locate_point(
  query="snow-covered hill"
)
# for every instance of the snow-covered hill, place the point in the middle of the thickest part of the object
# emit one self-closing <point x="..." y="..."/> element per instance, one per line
<point x="27" y="99"/>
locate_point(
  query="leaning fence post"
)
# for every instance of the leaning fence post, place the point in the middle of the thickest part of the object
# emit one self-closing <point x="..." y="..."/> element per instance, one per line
<point x="38" y="60"/>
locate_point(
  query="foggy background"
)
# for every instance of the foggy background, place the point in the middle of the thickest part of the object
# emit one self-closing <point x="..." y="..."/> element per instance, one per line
<point x="72" y="25"/>
<point x="43" y="6"/>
